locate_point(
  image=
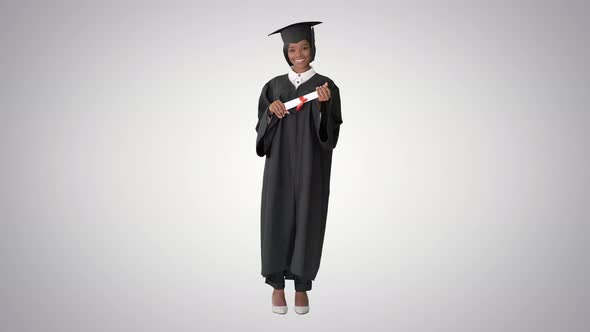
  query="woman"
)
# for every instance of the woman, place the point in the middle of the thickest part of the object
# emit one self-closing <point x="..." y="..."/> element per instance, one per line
<point x="298" y="146"/>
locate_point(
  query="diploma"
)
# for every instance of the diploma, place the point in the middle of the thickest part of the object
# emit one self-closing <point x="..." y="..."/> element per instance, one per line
<point x="298" y="102"/>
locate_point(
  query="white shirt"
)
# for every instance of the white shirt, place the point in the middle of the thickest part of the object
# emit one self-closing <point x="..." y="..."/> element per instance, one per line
<point x="297" y="79"/>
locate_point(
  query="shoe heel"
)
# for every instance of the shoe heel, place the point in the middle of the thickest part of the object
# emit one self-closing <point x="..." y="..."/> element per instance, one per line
<point x="302" y="310"/>
<point x="279" y="309"/>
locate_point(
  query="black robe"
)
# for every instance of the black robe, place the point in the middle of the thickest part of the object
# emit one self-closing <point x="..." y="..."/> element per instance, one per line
<point x="296" y="182"/>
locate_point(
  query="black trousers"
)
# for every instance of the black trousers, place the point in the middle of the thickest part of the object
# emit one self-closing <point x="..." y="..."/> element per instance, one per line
<point x="277" y="281"/>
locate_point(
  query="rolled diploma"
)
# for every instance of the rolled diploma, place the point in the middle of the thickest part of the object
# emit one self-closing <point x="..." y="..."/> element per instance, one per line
<point x="293" y="103"/>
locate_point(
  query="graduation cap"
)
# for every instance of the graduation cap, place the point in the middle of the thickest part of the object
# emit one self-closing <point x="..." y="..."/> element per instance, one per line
<point x="295" y="33"/>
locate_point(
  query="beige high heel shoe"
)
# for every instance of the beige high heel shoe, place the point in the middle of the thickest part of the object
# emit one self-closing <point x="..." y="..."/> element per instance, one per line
<point x="302" y="309"/>
<point x="279" y="309"/>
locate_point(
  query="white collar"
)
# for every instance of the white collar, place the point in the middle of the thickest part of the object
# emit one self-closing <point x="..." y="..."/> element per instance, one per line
<point x="304" y="76"/>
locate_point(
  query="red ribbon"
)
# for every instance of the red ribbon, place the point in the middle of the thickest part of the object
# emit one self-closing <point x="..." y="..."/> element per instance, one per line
<point x="303" y="100"/>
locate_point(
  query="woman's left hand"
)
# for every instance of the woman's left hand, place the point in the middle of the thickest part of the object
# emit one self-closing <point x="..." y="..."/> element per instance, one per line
<point x="323" y="92"/>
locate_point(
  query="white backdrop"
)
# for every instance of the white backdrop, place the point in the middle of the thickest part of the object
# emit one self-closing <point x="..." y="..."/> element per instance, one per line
<point x="130" y="186"/>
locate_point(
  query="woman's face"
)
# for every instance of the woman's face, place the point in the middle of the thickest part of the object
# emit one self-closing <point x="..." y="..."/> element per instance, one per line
<point x="300" y="55"/>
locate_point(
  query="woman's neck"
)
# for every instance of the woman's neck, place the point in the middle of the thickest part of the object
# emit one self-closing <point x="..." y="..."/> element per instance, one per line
<point x="300" y="70"/>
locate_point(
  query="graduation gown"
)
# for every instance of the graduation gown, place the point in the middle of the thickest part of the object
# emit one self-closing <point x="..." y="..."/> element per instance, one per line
<point x="296" y="182"/>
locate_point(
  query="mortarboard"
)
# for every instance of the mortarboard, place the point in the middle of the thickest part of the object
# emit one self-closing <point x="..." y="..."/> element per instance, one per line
<point x="295" y="33"/>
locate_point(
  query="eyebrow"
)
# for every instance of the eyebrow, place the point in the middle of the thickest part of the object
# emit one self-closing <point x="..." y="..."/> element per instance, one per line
<point x="301" y="45"/>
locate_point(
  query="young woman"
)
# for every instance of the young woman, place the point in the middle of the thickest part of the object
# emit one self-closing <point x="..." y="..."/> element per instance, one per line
<point x="298" y="145"/>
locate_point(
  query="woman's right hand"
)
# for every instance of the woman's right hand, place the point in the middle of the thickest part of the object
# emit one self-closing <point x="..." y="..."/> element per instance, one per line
<point x="278" y="108"/>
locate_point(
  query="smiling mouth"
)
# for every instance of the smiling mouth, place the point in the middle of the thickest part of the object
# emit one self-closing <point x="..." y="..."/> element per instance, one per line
<point x="300" y="61"/>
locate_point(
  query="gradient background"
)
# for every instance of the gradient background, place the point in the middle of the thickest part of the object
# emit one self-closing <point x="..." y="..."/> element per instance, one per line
<point x="130" y="186"/>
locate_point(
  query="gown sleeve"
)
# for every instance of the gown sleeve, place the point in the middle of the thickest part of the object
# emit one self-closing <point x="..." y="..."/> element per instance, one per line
<point x="266" y="126"/>
<point x="329" y="120"/>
